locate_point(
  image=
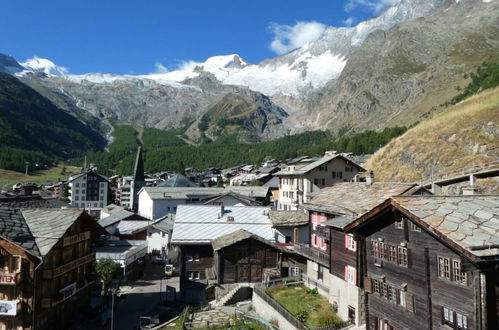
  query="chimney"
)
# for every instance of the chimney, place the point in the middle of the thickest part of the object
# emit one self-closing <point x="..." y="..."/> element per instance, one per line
<point x="370" y="178"/>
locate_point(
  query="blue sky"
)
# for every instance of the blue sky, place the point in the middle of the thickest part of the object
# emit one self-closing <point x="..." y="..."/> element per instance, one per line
<point x="137" y="36"/>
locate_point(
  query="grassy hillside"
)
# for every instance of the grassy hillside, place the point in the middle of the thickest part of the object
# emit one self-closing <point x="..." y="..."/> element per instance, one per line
<point x="9" y="178"/>
<point x="33" y="129"/>
<point x="464" y="135"/>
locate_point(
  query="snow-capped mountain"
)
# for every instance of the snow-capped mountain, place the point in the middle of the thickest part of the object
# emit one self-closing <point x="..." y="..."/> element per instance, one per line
<point x="305" y="82"/>
<point x="293" y="74"/>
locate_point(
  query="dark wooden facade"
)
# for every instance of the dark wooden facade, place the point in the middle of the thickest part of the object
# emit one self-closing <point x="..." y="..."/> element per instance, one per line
<point x="415" y="281"/>
<point x="49" y="291"/>
<point x="196" y="263"/>
<point x="245" y="261"/>
<point x="342" y="255"/>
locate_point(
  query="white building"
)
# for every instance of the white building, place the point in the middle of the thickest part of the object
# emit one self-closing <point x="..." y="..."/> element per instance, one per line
<point x="309" y="175"/>
<point x="156" y="202"/>
<point x="88" y="190"/>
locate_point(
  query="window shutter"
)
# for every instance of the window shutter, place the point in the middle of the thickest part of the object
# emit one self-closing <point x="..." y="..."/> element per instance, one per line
<point x="409" y="302"/>
<point x="354" y="245"/>
<point x="355" y="276"/>
<point x="346" y="273"/>
<point x="368" y="285"/>
<point x="346" y="241"/>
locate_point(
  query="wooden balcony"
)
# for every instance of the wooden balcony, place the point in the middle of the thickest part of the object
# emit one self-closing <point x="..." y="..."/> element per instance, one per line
<point x="51" y="273"/>
<point x="312" y="253"/>
<point x="11" y="278"/>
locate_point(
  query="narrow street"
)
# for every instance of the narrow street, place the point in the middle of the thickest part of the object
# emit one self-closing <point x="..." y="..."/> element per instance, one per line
<point x="140" y="299"/>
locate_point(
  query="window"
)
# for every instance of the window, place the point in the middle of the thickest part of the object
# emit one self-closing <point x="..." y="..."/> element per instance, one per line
<point x="401" y="299"/>
<point x="443" y="268"/>
<point x="340" y="175"/>
<point x="196" y="256"/>
<point x="77" y="184"/>
<point x="102" y="191"/>
<point x="454" y="319"/>
<point x="76" y="198"/>
<point x="383" y="254"/>
<point x="402" y="256"/>
<point x="392" y="253"/>
<point x="294" y="271"/>
<point x="323" y="182"/>
<point x="376" y="286"/>
<point x="197" y="275"/>
<point x="190" y="275"/>
<point x="190" y="257"/>
<point x="350" y="274"/>
<point x="414" y="227"/>
<point x="457" y="273"/>
<point x="83" y="198"/>
<point x="399" y="224"/>
<point x="102" y="184"/>
<point x="333" y="174"/>
<point x="316" y="181"/>
<point x="77" y="191"/>
<point x="83" y="185"/>
<point x="83" y="191"/>
<point x="350" y="242"/>
<point x="101" y="204"/>
<point x="374" y="249"/>
<point x="101" y="198"/>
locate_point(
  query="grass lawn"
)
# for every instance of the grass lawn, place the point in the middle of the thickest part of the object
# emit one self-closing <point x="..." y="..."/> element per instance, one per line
<point x="9" y="178"/>
<point x="308" y="306"/>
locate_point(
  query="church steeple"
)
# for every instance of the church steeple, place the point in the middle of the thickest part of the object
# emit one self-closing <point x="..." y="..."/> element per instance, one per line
<point x="139" y="180"/>
<point x="138" y="173"/>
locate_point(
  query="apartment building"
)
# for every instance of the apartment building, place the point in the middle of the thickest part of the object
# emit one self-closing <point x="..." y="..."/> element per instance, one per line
<point x="88" y="190"/>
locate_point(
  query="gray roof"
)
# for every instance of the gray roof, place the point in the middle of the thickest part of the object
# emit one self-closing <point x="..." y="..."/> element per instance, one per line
<point x="470" y="222"/>
<point x="128" y="227"/>
<point x="165" y="223"/>
<point x="177" y="180"/>
<point x="340" y="222"/>
<point x="13" y="228"/>
<point x="204" y="223"/>
<point x="248" y="201"/>
<point x="47" y="226"/>
<point x="17" y="202"/>
<point x="310" y="166"/>
<point x="235" y="237"/>
<point x="288" y="218"/>
<point x="355" y="198"/>
<point x="185" y="193"/>
<point x="119" y="216"/>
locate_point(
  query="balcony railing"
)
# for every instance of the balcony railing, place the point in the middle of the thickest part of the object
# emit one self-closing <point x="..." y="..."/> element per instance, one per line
<point x="312" y="253"/>
<point x="51" y="273"/>
<point x="11" y="278"/>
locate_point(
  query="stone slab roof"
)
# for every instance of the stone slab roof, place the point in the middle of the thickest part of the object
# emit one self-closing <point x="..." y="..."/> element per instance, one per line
<point x="186" y="192"/>
<point x="288" y="218"/>
<point x="317" y="163"/>
<point x="355" y="198"/>
<point x="14" y="228"/>
<point x="18" y="202"/>
<point x="47" y="226"/>
<point x="470" y="222"/>
<point x="118" y="216"/>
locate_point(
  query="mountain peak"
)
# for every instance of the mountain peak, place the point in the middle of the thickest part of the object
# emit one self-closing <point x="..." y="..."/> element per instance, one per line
<point x="37" y="64"/>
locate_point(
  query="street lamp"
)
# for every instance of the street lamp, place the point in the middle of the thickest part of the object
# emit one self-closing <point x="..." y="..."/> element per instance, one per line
<point x="113" y="292"/>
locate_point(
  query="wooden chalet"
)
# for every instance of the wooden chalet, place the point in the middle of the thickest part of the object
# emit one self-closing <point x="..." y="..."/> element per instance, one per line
<point x="333" y="254"/>
<point x="45" y="266"/>
<point x="430" y="262"/>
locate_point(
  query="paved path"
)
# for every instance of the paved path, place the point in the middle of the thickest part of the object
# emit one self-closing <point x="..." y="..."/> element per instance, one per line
<point x="142" y="298"/>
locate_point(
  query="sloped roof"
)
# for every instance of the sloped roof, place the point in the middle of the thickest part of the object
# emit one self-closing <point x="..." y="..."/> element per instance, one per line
<point x="186" y="192"/>
<point x="14" y="228"/>
<point x="234" y="237"/>
<point x="244" y="199"/>
<point x="310" y="166"/>
<point x="469" y="224"/>
<point x="17" y="202"/>
<point x="204" y="223"/>
<point x="288" y="218"/>
<point x="48" y="225"/>
<point x="177" y="180"/>
<point x="119" y="216"/>
<point x="128" y="227"/>
<point x="355" y="198"/>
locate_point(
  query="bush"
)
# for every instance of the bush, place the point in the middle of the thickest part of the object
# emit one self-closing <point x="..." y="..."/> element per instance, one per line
<point x="312" y="291"/>
<point x="302" y="316"/>
<point x="327" y="317"/>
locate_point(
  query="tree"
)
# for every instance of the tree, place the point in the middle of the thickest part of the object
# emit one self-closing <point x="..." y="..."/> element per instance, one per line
<point x="106" y="270"/>
<point x="220" y="182"/>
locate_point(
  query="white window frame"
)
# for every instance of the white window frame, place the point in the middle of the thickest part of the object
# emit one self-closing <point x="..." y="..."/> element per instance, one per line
<point x="351" y="275"/>
<point x="351" y="242"/>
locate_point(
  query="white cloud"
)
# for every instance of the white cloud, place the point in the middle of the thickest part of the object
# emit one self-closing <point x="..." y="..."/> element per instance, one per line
<point x="160" y="68"/>
<point x="375" y="6"/>
<point x="188" y="65"/>
<point x="287" y="38"/>
<point x="350" y="21"/>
